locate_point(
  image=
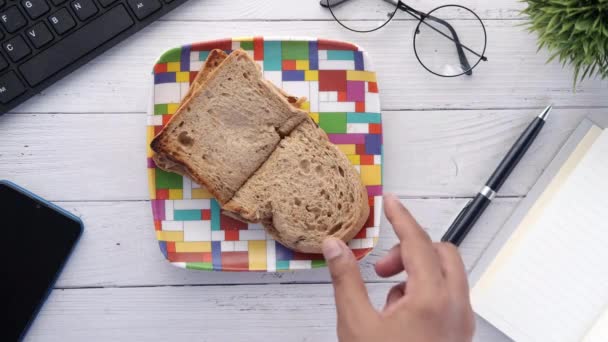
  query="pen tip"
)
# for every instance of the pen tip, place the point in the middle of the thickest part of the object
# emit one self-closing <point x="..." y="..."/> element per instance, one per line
<point x="546" y="112"/>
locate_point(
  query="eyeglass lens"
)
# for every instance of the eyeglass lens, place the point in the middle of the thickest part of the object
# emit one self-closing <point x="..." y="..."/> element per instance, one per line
<point x="362" y="15"/>
<point x="449" y="41"/>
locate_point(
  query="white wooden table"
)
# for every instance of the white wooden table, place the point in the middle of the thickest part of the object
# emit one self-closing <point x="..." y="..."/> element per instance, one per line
<point x="81" y="145"/>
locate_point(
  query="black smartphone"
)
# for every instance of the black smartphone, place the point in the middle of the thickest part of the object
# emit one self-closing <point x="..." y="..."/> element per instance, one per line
<point x="37" y="239"/>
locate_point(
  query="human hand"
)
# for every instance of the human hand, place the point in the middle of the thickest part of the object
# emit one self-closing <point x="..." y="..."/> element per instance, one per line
<point x="433" y="305"/>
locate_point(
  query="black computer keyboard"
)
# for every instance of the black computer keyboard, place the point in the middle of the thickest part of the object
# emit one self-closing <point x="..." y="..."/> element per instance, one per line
<point x="44" y="40"/>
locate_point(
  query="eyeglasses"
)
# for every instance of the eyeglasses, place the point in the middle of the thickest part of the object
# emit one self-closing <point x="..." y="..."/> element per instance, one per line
<point x="437" y="45"/>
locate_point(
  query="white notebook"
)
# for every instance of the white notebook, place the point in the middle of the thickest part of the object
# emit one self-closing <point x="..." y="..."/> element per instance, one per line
<point x="549" y="282"/>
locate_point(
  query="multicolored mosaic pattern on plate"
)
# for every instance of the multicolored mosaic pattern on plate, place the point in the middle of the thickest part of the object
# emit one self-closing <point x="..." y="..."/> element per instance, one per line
<point x="343" y="99"/>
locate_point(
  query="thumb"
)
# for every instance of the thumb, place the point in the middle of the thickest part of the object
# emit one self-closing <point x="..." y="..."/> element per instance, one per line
<point x="352" y="301"/>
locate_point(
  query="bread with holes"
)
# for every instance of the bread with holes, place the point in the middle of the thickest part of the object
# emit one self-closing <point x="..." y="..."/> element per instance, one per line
<point x="213" y="61"/>
<point x="306" y="191"/>
<point x="228" y="128"/>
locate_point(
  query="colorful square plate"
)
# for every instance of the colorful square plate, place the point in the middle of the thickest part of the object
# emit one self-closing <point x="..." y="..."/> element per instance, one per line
<point x="338" y="80"/>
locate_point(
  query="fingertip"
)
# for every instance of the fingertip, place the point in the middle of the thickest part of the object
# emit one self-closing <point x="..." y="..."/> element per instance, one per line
<point x="402" y="220"/>
<point x="338" y="256"/>
<point x="390" y="264"/>
<point x="332" y="248"/>
<point x="393" y="207"/>
<point x="389" y="196"/>
<point x="381" y="269"/>
<point x="390" y="202"/>
<point x="386" y="268"/>
<point x="378" y="267"/>
<point x="383" y="262"/>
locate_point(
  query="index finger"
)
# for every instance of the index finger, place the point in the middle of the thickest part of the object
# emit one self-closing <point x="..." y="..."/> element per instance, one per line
<point x="420" y="260"/>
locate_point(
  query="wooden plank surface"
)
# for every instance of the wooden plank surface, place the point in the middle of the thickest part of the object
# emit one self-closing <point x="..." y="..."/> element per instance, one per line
<point x="119" y="248"/>
<point x="298" y="10"/>
<point x="427" y="153"/>
<point x="200" y="313"/>
<point x="515" y="76"/>
<point x="81" y="144"/>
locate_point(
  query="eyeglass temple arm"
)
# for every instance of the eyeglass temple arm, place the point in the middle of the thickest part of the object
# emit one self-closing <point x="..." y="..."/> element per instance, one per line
<point x="421" y="16"/>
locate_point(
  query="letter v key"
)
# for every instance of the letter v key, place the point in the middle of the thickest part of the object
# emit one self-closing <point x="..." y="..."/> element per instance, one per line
<point x="39" y="35"/>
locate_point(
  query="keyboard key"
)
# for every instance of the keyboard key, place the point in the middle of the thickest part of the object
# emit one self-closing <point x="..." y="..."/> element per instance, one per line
<point x="39" y="35"/>
<point x="61" y="21"/>
<point x="10" y="87"/>
<point x="58" y="2"/>
<point x="106" y="3"/>
<point x="76" y="45"/>
<point x="12" y="19"/>
<point x="35" y="8"/>
<point x="84" y="9"/>
<point x="3" y="63"/>
<point x="16" y="48"/>
<point x="144" y="8"/>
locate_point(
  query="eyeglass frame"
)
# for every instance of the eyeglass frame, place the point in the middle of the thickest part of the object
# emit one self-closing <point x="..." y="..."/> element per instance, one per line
<point x="421" y="16"/>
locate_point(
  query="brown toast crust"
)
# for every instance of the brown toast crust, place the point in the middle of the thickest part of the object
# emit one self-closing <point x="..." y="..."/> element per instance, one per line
<point x="263" y="200"/>
<point x="213" y="61"/>
<point x="222" y="191"/>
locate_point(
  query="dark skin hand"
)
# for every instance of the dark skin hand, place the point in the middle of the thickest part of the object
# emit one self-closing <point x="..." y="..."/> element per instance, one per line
<point x="433" y="305"/>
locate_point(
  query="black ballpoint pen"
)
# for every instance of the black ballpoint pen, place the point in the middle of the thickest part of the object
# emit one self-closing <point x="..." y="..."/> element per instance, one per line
<point x="473" y="210"/>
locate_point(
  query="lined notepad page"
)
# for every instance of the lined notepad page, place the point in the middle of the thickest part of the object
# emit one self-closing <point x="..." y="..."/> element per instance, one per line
<point x="550" y="280"/>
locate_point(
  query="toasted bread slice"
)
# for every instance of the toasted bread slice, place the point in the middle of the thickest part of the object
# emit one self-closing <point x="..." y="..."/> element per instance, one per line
<point x="306" y="191"/>
<point x="214" y="59"/>
<point x="226" y="130"/>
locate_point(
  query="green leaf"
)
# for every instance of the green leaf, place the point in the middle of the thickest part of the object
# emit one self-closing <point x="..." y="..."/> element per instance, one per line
<point x="583" y="24"/>
<point x="552" y="23"/>
<point x="573" y="31"/>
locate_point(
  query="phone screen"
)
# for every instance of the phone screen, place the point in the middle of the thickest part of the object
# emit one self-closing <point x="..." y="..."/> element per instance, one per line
<point x="40" y="239"/>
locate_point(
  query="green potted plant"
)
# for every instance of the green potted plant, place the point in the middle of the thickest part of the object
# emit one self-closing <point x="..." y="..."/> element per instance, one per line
<point x="575" y="31"/>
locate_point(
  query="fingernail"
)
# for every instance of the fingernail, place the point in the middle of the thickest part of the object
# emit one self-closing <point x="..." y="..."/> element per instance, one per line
<point x="331" y="249"/>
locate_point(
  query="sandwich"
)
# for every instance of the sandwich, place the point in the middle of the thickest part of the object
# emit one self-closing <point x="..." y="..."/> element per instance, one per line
<point x="261" y="156"/>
